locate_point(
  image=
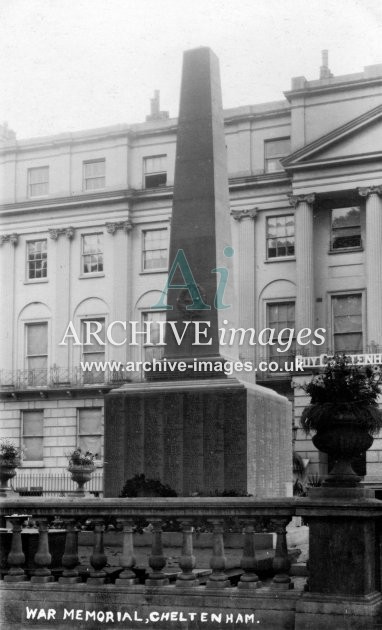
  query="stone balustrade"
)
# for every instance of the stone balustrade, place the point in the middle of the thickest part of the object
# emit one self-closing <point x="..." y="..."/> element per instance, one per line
<point x="344" y="573"/>
<point x="259" y="516"/>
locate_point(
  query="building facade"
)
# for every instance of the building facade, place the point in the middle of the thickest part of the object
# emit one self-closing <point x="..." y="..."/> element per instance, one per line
<point x="85" y="220"/>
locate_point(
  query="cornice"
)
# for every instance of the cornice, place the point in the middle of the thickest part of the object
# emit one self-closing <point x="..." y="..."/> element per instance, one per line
<point x="335" y="86"/>
<point x="133" y="196"/>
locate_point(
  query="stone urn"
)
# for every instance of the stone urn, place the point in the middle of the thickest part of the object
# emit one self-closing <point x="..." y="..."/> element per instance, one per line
<point x="81" y="474"/>
<point x="7" y="472"/>
<point x="343" y="436"/>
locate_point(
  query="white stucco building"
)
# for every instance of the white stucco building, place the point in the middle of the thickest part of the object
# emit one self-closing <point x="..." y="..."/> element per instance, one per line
<point x="85" y="220"/>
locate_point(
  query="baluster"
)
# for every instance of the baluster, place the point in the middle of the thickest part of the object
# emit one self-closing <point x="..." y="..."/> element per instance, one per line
<point x="70" y="558"/>
<point x="187" y="559"/>
<point x="249" y="579"/>
<point x="127" y="559"/>
<point x="42" y="556"/>
<point x="281" y="562"/>
<point x="98" y="559"/>
<point x="218" y="578"/>
<point x="157" y="560"/>
<point x="16" y="556"/>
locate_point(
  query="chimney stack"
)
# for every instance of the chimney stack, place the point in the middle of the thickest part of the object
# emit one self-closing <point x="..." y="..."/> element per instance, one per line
<point x="155" y="113"/>
<point x="324" y="69"/>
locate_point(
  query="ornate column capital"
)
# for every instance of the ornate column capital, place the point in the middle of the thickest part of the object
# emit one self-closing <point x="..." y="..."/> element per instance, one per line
<point x="370" y="190"/>
<point x="54" y="233"/>
<point x="112" y="227"/>
<point x="69" y="232"/>
<point x="245" y="213"/>
<point x="294" y="200"/>
<point x="10" y="238"/>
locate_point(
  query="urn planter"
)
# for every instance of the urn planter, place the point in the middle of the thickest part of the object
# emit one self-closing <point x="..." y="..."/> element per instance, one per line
<point x="81" y="474"/>
<point x="7" y="472"/>
<point x="343" y="442"/>
<point x="343" y="414"/>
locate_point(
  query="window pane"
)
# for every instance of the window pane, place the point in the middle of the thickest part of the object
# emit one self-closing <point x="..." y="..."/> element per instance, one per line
<point x="94" y="346"/>
<point x="155" y="164"/>
<point x="90" y="443"/>
<point x="33" y="422"/>
<point x="94" y="169"/>
<point x="347" y="323"/>
<point x="90" y="421"/>
<point x="346" y="227"/>
<point x="38" y="175"/>
<point x="346" y="217"/>
<point x="33" y="449"/>
<point x="279" y="147"/>
<point x="92" y="243"/>
<point x="348" y="343"/>
<point x="37" y="266"/>
<point x="38" y="179"/>
<point x="37" y="339"/>
<point x="280" y="236"/>
<point x="155" y="249"/>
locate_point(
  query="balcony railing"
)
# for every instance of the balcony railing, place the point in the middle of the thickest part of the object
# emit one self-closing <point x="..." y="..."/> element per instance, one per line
<point x="58" y="377"/>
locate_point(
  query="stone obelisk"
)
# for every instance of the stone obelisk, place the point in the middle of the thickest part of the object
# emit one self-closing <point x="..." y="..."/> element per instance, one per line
<point x="200" y="227"/>
<point x="197" y="430"/>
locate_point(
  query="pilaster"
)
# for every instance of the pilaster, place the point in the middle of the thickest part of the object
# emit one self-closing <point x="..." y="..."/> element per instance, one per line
<point x="9" y="243"/>
<point x="62" y="237"/>
<point x="247" y="273"/>
<point x="303" y="205"/>
<point x="373" y="196"/>
<point x="120" y="242"/>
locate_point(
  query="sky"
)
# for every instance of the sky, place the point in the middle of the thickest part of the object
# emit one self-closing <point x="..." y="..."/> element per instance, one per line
<point x="67" y="65"/>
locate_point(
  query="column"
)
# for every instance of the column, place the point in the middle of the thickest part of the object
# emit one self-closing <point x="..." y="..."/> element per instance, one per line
<point x="247" y="276"/>
<point x="62" y="238"/>
<point x="373" y="196"/>
<point x="120" y="242"/>
<point x="7" y="346"/>
<point x="303" y="205"/>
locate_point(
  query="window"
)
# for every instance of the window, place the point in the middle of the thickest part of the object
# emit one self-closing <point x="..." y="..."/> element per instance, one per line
<point x="37" y="259"/>
<point x="38" y="181"/>
<point x="90" y="430"/>
<point x="37" y="353"/>
<point x="280" y="236"/>
<point x="274" y="150"/>
<point x="346" y="228"/>
<point x="155" y="171"/>
<point x="155" y="351"/>
<point x="155" y="249"/>
<point x="94" y="174"/>
<point x="92" y="253"/>
<point x="95" y="351"/>
<point x="347" y="323"/>
<point x="281" y="315"/>
<point x="33" y="435"/>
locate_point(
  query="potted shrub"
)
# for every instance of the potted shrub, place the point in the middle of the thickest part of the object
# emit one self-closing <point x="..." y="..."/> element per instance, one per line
<point x="10" y="458"/>
<point x="81" y="467"/>
<point x="343" y="413"/>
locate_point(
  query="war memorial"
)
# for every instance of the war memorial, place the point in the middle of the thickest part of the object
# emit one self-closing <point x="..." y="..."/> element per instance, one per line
<point x="199" y="433"/>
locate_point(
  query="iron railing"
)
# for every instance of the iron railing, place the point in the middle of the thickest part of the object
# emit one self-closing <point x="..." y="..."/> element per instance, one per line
<point x="58" y="377"/>
<point x="53" y="484"/>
